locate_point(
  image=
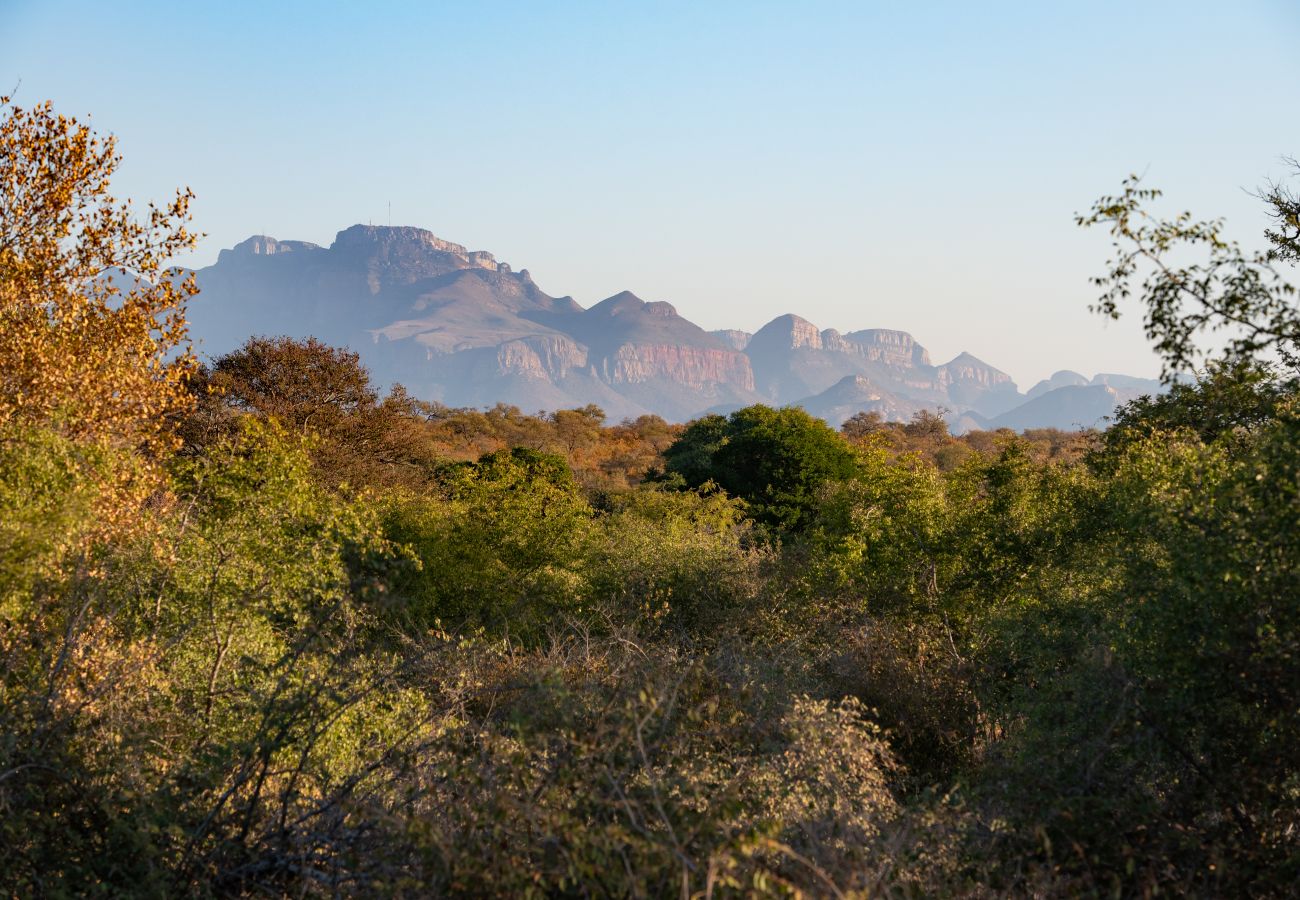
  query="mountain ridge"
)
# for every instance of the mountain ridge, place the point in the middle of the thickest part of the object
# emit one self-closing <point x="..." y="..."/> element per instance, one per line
<point x="461" y="327"/>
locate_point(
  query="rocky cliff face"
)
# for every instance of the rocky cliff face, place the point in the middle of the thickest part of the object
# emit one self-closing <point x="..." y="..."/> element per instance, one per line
<point x="460" y="326"/>
<point x="785" y="333"/>
<point x="794" y="360"/>
<point x="693" y="367"/>
<point x="393" y="257"/>
<point x="895" y="348"/>
<point x="733" y="338"/>
<point x="542" y="357"/>
<point x="968" y="370"/>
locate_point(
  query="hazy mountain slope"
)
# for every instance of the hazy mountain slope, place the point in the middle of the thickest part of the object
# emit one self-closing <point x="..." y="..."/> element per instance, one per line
<point x="793" y="359"/>
<point x="733" y="338"/>
<point x="854" y="394"/>
<point x="1129" y="387"/>
<point x="1067" y="408"/>
<point x="974" y="384"/>
<point x="1063" y="378"/>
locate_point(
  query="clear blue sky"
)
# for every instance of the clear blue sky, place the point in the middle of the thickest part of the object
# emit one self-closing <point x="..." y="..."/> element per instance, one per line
<point x="905" y="165"/>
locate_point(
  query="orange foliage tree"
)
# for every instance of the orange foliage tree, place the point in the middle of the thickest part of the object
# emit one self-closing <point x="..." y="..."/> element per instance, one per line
<point x="93" y="341"/>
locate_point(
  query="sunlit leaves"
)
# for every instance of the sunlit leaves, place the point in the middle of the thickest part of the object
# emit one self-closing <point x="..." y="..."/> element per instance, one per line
<point x="1192" y="282"/>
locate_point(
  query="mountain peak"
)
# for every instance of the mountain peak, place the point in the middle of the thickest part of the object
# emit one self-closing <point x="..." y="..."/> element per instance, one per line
<point x="626" y="302"/>
<point x="406" y="241"/>
<point x="788" y="331"/>
<point x="968" y="366"/>
<point x="395" y="234"/>
<point x="1063" y="378"/>
<point x="265" y="245"/>
<point x="622" y="303"/>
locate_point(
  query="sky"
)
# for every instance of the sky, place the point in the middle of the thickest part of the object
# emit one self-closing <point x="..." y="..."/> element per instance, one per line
<point x="864" y="164"/>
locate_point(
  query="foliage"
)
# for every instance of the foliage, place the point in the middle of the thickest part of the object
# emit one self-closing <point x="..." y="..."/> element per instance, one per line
<point x="680" y="560"/>
<point x="170" y="708"/>
<point x="1229" y="400"/>
<point x="90" y="320"/>
<point x="1232" y="290"/>
<point x="1284" y="209"/>
<point x="364" y="647"/>
<point x="312" y="388"/>
<point x="498" y="548"/>
<point x="397" y="441"/>
<point x="599" y="765"/>
<point x="926" y="436"/>
<point x="50" y="505"/>
<point x="775" y="460"/>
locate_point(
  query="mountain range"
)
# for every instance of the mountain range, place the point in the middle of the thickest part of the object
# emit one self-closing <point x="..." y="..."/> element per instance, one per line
<point x="465" y="329"/>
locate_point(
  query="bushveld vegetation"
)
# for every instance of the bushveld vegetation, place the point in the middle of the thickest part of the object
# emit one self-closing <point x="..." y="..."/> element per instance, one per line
<point x="264" y="631"/>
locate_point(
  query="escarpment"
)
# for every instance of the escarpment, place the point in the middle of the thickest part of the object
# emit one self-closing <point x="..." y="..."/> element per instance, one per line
<point x="462" y="327"/>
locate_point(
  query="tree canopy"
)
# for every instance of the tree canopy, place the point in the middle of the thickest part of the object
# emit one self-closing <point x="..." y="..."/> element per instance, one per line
<point x="776" y="460"/>
<point x="92" y="324"/>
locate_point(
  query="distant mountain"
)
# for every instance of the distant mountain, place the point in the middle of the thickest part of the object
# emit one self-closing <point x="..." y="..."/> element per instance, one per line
<point x="1068" y="408"/>
<point x="1129" y="387"/>
<point x="1063" y="378"/>
<point x="853" y="394"/>
<point x="461" y="327"/>
<point x="733" y="338"/>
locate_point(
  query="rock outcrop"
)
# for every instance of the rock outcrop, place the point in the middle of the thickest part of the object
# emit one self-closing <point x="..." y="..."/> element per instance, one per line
<point x="733" y="338"/>
<point x="458" y="325"/>
<point x="693" y="367"/>
<point x="895" y="348"/>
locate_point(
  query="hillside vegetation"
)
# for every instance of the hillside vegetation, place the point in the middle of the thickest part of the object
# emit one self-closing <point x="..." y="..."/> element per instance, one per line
<point x="265" y="631"/>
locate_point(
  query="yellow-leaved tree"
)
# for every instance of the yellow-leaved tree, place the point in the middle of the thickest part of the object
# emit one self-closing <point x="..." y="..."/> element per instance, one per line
<point x="93" y="338"/>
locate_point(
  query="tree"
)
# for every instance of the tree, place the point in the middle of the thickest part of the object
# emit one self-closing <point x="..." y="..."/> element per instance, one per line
<point x="775" y="460"/>
<point x="1230" y="398"/>
<point x="311" y="387"/>
<point x="92" y="325"/>
<point x="500" y="549"/>
<point x="1284" y="209"/>
<point x="927" y="424"/>
<point x="690" y="458"/>
<point x="861" y="424"/>
<point x="1243" y="294"/>
<point x="302" y="384"/>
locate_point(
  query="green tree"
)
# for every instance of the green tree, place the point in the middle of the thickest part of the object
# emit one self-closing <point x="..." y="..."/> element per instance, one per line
<point x="776" y="460"/>
<point x="1239" y="294"/>
<point x="499" y="549"/>
<point x="677" y="558"/>
<point x="1229" y="398"/>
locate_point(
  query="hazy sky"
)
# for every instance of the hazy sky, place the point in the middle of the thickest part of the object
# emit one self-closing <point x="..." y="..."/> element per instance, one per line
<point x="901" y="165"/>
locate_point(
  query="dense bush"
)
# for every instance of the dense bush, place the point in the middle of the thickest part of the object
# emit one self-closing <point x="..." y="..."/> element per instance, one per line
<point x="335" y="645"/>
